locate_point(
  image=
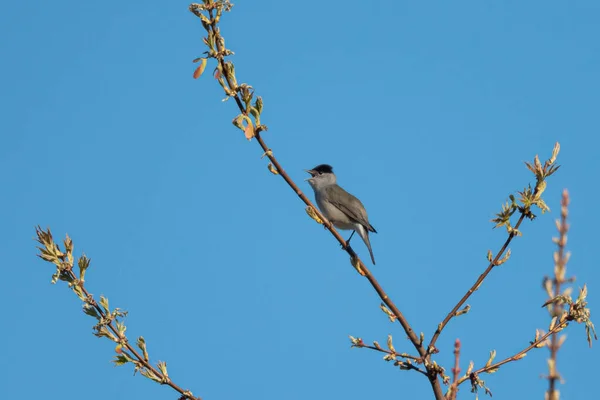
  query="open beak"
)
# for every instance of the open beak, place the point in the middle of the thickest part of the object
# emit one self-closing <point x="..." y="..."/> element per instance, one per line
<point x="311" y="172"/>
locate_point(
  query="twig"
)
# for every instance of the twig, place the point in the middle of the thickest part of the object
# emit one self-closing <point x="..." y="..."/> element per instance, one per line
<point x="536" y="343"/>
<point x="212" y="28"/>
<point x="453" y="390"/>
<point x="64" y="262"/>
<point x="528" y="199"/>
<point x="560" y="270"/>
<point x="476" y="285"/>
<point x="382" y="350"/>
<point x="557" y="304"/>
<point x="405" y="365"/>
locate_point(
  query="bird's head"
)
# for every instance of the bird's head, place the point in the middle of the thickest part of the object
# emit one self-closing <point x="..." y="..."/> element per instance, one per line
<point x="321" y="175"/>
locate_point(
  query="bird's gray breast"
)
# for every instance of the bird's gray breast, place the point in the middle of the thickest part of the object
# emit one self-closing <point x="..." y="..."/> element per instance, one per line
<point x="333" y="214"/>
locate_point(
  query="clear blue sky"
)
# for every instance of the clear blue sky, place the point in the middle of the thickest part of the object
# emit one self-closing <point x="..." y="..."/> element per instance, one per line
<point x="426" y="110"/>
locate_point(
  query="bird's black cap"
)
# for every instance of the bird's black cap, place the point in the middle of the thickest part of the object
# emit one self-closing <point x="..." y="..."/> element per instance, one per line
<point x="323" y="169"/>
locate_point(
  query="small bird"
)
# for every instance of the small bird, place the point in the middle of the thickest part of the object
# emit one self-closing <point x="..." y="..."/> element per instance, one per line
<point x="341" y="208"/>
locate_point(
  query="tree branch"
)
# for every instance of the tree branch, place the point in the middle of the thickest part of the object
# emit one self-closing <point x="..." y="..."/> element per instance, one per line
<point x="539" y="342"/>
<point x="559" y="278"/>
<point x="474" y="288"/>
<point x="453" y="390"/>
<point x="529" y="198"/>
<point x="64" y="262"/>
<point x="219" y="52"/>
<point x="392" y="355"/>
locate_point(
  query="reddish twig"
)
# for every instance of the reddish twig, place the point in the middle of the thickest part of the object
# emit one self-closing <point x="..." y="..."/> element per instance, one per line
<point x="453" y="390"/>
<point x="559" y="278"/>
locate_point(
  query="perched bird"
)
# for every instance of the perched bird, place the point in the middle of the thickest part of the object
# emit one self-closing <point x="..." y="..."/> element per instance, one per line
<point x="342" y="209"/>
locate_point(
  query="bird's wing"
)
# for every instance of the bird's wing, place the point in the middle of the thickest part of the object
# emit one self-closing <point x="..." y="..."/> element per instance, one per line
<point x="354" y="209"/>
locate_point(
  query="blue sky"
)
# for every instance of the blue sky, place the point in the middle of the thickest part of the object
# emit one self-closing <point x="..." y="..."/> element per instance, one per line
<point x="426" y="110"/>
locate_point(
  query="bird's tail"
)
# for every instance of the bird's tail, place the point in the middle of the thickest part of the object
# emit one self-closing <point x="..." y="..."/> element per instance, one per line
<point x="364" y="234"/>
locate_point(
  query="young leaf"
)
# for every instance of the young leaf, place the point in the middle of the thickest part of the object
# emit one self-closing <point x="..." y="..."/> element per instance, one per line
<point x="200" y="68"/>
<point x="249" y="131"/>
<point x="272" y="169"/>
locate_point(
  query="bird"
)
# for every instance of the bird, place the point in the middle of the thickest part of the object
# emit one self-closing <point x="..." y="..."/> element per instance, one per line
<point x="341" y="208"/>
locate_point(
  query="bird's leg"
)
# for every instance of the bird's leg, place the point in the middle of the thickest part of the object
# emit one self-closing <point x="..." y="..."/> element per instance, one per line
<point x="352" y="234"/>
<point x="348" y="241"/>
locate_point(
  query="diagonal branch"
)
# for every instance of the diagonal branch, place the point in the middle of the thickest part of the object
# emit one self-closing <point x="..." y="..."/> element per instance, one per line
<point x="473" y="289"/>
<point x="211" y="27"/>
<point x="64" y="262"/>
<point x="529" y="198"/>
<point x="540" y="342"/>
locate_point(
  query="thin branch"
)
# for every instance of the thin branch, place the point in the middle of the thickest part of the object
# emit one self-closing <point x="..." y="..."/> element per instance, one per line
<point x="382" y="350"/>
<point x="536" y="343"/>
<point x="528" y="199"/>
<point x="475" y="286"/>
<point x="405" y="365"/>
<point x="562" y="308"/>
<point x="560" y="270"/>
<point x="220" y="56"/>
<point x="453" y="390"/>
<point x="64" y="263"/>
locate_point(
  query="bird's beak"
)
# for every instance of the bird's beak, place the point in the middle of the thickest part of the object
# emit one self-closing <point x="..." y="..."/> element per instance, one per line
<point x="311" y="172"/>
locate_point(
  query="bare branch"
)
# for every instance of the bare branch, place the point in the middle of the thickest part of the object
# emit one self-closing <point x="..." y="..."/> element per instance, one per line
<point x="560" y="269"/>
<point x="453" y="390"/>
